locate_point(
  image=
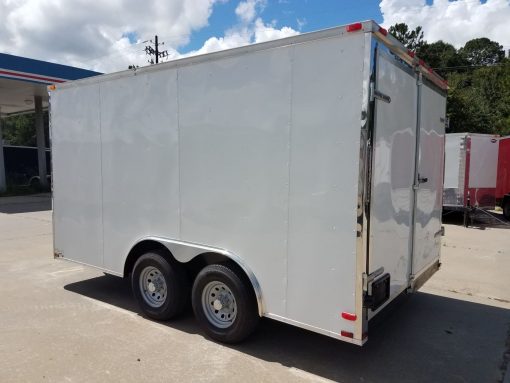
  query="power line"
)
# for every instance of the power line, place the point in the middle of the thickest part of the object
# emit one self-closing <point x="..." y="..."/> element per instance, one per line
<point x="150" y="51"/>
<point x="468" y="66"/>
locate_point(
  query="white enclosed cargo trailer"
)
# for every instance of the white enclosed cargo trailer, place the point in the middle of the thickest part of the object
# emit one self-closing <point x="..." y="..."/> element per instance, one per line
<point x="298" y="179"/>
<point x="471" y="164"/>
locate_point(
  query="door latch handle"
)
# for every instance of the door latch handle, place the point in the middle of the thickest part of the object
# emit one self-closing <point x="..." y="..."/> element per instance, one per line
<point x="422" y="180"/>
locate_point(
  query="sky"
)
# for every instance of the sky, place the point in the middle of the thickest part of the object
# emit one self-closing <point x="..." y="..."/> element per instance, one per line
<point x="110" y="35"/>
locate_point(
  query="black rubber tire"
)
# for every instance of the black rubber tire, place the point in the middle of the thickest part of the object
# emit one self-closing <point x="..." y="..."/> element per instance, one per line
<point x="506" y="208"/>
<point x="247" y="316"/>
<point x="176" y="278"/>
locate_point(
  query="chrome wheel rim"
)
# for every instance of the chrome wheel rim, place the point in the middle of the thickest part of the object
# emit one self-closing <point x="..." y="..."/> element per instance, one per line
<point x="219" y="304"/>
<point x="153" y="286"/>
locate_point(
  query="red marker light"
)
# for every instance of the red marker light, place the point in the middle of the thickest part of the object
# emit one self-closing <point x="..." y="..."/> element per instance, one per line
<point x="410" y="53"/>
<point x="347" y="334"/>
<point x="383" y="31"/>
<point x="422" y="63"/>
<point x="349" y="316"/>
<point x="354" y="27"/>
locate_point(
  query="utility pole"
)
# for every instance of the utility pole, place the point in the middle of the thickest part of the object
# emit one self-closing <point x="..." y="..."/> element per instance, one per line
<point x="150" y="51"/>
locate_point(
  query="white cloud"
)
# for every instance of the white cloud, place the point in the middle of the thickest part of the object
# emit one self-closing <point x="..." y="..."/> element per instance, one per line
<point x="252" y="29"/>
<point x="452" y="21"/>
<point x="97" y="34"/>
<point x="247" y="10"/>
<point x="265" y="32"/>
<point x="80" y="32"/>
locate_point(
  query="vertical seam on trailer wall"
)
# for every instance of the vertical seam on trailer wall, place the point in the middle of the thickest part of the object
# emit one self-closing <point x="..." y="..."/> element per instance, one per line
<point x="101" y="173"/>
<point x="461" y="175"/>
<point x="289" y="161"/>
<point x="467" y="169"/>
<point x="178" y="152"/>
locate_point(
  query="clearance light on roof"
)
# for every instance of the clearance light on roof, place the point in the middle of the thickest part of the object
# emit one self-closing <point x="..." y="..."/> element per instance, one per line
<point x="383" y="31"/>
<point x="354" y="27"/>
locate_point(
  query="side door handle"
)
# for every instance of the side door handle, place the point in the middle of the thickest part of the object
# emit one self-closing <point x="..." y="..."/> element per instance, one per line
<point x="422" y="180"/>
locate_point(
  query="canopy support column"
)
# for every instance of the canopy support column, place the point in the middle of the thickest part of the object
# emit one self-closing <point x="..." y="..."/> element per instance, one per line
<point x="3" y="184"/>
<point x="41" y="142"/>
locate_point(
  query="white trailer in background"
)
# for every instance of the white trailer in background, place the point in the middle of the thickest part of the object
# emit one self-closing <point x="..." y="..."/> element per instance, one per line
<point x="471" y="164"/>
<point x="297" y="179"/>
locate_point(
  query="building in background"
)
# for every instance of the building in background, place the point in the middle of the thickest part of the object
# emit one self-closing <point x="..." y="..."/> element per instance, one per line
<point x="23" y="89"/>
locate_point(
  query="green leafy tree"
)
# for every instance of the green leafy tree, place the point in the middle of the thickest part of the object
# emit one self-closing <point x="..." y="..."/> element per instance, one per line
<point x="20" y="130"/>
<point x="479" y="100"/>
<point x="412" y="39"/>
<point x="482" y="51"/>
<point x="441" y="55"/>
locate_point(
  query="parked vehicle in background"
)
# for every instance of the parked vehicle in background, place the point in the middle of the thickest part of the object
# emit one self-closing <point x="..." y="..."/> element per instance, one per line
<point x="503" y="183"/>
<point x="298" y="179"/>
<point x="470" y="171"/>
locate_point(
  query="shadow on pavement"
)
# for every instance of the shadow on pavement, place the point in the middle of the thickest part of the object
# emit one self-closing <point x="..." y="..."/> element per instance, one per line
<point x="427" y="338"/>
<point x="479" y="219"/>
<point x="25" y="204"/>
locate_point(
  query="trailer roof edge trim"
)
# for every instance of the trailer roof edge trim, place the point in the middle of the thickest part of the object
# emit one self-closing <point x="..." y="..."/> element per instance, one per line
<point x="368" y="26"/>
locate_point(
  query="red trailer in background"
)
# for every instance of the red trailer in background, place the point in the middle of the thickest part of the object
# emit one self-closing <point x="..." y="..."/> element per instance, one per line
<point x="470" y="171"/>
<point x="503" y="178"/>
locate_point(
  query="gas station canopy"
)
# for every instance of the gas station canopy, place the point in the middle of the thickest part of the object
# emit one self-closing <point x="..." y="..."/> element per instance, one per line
<point x="22" y="78"/>
<point x="23" y="89"/>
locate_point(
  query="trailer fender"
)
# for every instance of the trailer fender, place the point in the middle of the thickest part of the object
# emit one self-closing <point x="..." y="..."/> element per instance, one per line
<point x="185" y="252"/>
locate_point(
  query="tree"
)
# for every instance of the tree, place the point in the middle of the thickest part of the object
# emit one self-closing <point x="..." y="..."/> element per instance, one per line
<point x="482" y="51"/>
<point x="412" y="39"/>
<point x="441" y="55"/>
<point x="479" y="100"/>
<point x="20" y="130"/>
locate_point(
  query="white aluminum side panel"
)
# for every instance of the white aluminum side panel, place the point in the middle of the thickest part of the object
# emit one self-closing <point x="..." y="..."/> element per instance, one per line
<point x="327" y="102"/>
<point x="256" y="154"/>
<point x="454" y="169"/>
<point x="234" y="117"/>
<point x="427" y="243"/>
<point x="453" y="144"/>
<point x="483" y="164"/>
<point x="140" y="162"/>
<point x="76" y="151"/>
<point x="393" y="173"/>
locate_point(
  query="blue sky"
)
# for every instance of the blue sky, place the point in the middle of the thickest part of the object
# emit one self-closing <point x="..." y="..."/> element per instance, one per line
<point x="109" y="35"/>
<point x="315" y="14"/>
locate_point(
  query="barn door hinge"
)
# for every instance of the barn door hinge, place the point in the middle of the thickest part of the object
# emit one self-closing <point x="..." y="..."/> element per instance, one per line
<point x="381" y="96"/>
<point x="367" y="278"/>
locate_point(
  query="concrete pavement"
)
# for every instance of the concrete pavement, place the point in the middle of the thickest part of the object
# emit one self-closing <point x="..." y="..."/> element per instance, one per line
<point x="64" y="322"/>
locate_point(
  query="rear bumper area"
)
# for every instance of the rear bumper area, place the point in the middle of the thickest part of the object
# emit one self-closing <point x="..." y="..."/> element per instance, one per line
<point x="424" y="276"/>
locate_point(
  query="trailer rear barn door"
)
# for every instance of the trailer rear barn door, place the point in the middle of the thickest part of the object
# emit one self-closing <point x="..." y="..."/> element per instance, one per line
<point x="407" y="173"/>
<point x="429" y="178"/>
<point x="393" y="166"/>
